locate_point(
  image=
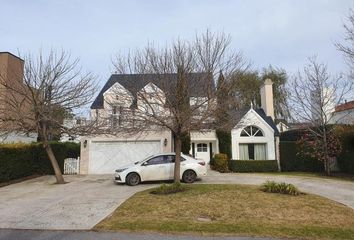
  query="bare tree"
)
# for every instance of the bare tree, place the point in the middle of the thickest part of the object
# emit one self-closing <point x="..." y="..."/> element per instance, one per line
<point x="182" y="97"/>
<point x="313" y="95"/>
<point x="347" y="47"/>
<point x="53" y="86"/>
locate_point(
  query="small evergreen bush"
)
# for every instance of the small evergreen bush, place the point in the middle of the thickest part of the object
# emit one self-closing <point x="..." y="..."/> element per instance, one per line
<point x="283" y="188"/>
<point x="221" y="163"/>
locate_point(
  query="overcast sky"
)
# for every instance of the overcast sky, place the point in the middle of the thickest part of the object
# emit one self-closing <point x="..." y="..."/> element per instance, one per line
<point x="282" y="33"/>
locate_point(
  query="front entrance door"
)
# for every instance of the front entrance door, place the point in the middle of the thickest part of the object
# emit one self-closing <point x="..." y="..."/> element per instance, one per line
<point x="202" y="151"/>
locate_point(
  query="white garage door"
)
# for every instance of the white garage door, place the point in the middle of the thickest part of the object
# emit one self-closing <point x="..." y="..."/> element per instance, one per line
<point x="106" y="157"/>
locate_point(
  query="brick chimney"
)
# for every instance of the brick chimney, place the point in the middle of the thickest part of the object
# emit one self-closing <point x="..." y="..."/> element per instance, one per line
<point x="267" y="101"/>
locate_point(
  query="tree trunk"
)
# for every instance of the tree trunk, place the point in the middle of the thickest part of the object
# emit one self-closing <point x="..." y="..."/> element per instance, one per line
<point x="326" y="155"/>
<point x="53" y="160"/>
<point x="51" y="156"/>
<point x="178" y="146"/>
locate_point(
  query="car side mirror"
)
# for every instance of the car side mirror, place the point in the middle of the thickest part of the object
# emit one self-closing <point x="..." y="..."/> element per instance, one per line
<point x="144" y="164"/>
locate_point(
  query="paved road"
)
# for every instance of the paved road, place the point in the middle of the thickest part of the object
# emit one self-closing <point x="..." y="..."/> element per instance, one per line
<point x="337" y="190"/>
<point x="7" y="234"/>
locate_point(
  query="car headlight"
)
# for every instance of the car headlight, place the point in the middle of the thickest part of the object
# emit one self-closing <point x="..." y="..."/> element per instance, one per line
<point x="121" y="170"/>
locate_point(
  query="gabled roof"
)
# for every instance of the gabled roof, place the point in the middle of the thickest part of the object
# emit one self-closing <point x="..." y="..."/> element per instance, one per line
<point x="237" y="115"/>
<point x="268" y="119"/>
<point x="166" y="82"/>
<point x="345" y="106"/>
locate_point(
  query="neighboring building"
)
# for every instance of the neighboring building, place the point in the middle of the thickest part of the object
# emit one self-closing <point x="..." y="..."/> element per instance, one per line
<point x="11" y="73"/>
<point x="254" y="135"/>
<point x="282" y="125"/>
<point x="344" y="113"/>
<point x="72" y="124"/>
<point x="323" y="104"/>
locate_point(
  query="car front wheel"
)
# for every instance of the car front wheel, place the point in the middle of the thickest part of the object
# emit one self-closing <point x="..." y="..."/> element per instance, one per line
<point x="133" y="179"/>
<point x="189" y="176"/>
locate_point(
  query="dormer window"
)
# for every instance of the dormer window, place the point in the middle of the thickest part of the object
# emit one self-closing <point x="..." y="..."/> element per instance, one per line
<point x="117" y="115"/>
<point x="251" y="131"/>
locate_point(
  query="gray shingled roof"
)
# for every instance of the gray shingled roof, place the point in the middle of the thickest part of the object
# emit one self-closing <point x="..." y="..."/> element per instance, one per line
<point x="268" y="119"/>
<point x="166" y="82"/>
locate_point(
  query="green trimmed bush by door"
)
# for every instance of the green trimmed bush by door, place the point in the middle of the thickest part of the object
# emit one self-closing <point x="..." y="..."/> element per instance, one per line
<point x="221" y="163"/>
<point x="253" y="165"/>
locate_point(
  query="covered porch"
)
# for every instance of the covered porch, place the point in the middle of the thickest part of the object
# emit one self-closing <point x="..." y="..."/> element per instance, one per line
<point x="204" y="144"/>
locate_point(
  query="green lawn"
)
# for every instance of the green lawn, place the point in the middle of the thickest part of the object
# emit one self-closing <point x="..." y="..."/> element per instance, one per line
<point x="233" y="210"/>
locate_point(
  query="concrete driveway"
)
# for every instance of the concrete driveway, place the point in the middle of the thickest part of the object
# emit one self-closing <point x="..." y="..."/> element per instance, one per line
<point x="79" y="204"/>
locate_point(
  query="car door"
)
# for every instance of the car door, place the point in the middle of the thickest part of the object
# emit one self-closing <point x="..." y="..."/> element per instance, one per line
<point x="154" y="169"/>
<point x="170" y="166"/>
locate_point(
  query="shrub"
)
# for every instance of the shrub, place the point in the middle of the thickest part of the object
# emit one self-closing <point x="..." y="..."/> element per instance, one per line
<point x="291" y="159"/>
<point x="283" y="188"/>
<point x="186" y="143"/>
<point x="224" y="138"/>
<point x="22" y="160"/>
<point x="292" y="135"/>
<point x="253" y="165"/>
<point x="221" y="163"/>
<point x="169" y="189"/>
<point x="346" y="157"/>
<point x="212" y="162"/>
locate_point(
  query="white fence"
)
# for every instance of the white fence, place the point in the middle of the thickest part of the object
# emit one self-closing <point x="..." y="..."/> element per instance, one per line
<point x="71" y="166"/>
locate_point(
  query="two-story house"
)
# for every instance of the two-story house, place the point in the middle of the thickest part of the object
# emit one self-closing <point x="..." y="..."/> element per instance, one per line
<point x="254" y="136"/>
<point x="120" y="102"/>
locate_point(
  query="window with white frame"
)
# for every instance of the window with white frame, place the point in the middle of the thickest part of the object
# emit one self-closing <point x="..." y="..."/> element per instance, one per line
<point x="251" y="131"/>
<point x="202" y="147"/>
<point x="253" y="151"/>
<point x="117" y="115"/>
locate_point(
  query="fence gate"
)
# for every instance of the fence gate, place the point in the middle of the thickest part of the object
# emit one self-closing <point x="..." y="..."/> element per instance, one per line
<point x="71" y="165"/>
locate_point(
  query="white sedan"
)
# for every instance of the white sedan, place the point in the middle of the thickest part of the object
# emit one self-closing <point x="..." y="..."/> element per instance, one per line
<point x="160" y="167"/>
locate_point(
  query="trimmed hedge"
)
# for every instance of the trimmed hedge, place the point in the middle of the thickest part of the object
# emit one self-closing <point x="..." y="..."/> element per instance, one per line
<point x="346" y="157"/>
<point x="292" y="160"/>
<point x="292" y="135"/>
<point x="253" y="165"/>
<point x="22" y="160"/>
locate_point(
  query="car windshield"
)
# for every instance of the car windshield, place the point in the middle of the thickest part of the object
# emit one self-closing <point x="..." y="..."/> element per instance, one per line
<point x="141" y="161"/>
